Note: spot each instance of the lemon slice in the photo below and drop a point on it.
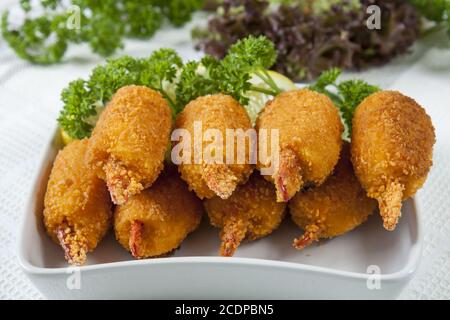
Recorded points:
(258, 100)
(65, 137)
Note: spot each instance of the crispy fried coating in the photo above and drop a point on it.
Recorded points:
(392, 150)
(334, 208)
(251, 212)
(77, 206)
(156, 221)
(130, 139)
(310, 141)
(208, 178)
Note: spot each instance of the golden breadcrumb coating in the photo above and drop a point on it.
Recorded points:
(310, 131)
(219, 112)
(77, 206)
(156, 221)
(392, 150)
(130, 139)
(251, 212)
(334, 208)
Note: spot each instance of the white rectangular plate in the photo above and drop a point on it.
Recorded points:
(368, 262)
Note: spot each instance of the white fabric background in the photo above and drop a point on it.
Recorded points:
(29, 105)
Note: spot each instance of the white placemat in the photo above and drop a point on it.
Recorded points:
(29, 105)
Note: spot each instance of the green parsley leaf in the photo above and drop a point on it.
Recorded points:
(165, 72)
(346, 95)
(103, 25)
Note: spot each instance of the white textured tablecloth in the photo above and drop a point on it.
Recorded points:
(29, 105)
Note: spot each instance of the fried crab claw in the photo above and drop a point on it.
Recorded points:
(74, 246)
(121, 183)
(311, 234)
(136, 235)
(390, 204)
(288, 177)
(220, 179)
(233, 233)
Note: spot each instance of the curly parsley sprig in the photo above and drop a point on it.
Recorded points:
(180, 82)
(231, 75)
(103, 25)
(165, 72)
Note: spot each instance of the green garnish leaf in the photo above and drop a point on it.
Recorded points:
(78, 107)
(346, 95)
(165, 72)
(326, 79)
(197, 79)
(352, 93)
(103, 25)
(251, 53)
(433, 10)
(161, 66)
